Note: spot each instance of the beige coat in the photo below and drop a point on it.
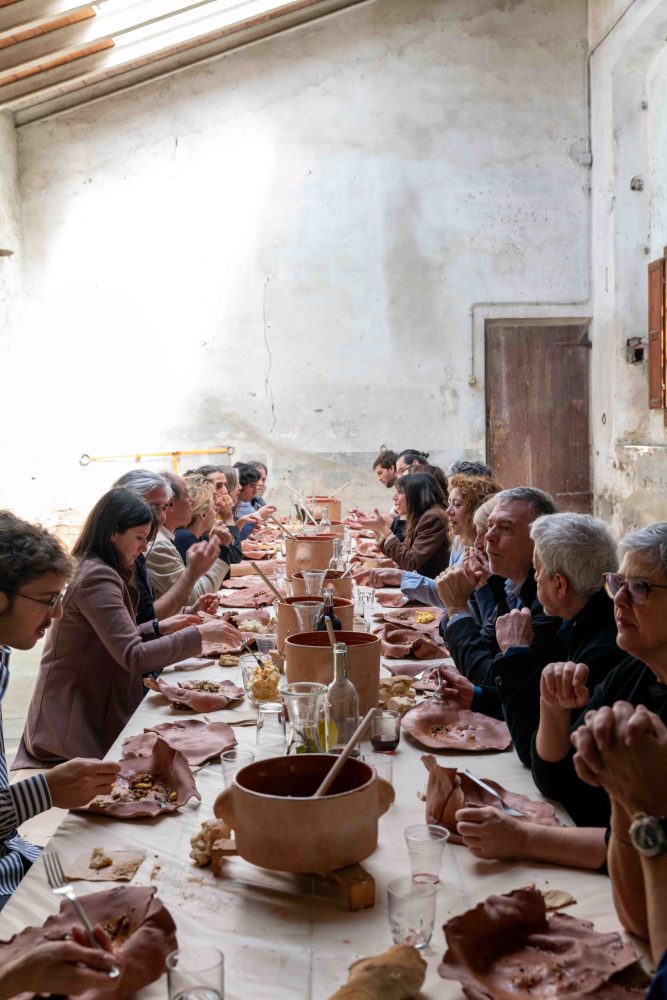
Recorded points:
(90, 675)
(166, 567)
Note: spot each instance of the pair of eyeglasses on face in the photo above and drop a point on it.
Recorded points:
(48, 602)
(638, 590)
(160, 508)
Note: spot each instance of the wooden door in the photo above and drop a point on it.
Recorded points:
(537, 410)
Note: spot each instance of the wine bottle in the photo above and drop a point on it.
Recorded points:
(328, 612)
(343, 703)
(337, 562)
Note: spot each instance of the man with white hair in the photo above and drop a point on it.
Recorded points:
(571, 555)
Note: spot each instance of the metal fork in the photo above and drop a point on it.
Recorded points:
(60, 887)
(487, 788)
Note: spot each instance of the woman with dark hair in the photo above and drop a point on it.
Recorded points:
(91, 675)
(420, 499)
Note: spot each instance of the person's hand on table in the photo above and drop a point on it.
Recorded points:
(200, 557)
(623, 748)
(68, 967)
(563, 685)
(266, 511)
(490, 833)
(218, 630)
(221, 534)
(177, 622)
(454, 587)
(208, 603)
(76, 782)
(455, 687)
(514, 629)
(476, 566)
(384, 578)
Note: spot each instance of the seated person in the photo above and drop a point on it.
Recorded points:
(34, 572)
(66, 968)
(639, 590)
(182, 583)
(623, 749)
(202, 516)
(90, 678)
(572, 553)
(411, 460)
(384, 467)
(419, 498)
(258, 500)
(465, 468)
(245, 508)
(509, 548)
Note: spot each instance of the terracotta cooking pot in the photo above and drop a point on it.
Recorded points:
(342, 587)
(308, 552)
(278, 826)
(333, 503)
(287, 622)
(309, 658)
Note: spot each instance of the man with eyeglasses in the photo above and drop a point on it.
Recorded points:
(34, 570)
(639, 591)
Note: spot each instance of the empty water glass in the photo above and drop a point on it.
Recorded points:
(382, 763)
(271, 726)
(196, 973)
(426, 842)
(265, 643)
(411, 912)
(313, 579)
(233, 761)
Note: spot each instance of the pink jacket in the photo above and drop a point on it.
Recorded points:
(90, 675)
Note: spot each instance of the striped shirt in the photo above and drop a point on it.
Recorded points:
(18, 803)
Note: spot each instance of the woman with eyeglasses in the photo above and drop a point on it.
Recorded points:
(90, 678)
(639, 592)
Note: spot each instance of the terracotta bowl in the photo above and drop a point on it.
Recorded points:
(333, 503)
(343, 586)
(308, 552)
(308, 658)
(287, 623)
(279, 827)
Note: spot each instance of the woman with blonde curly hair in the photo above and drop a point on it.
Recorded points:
(466, 494)
(202, 518)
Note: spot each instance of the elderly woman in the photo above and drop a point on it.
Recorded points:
(639, 590)
(90, 678)
(421, 501)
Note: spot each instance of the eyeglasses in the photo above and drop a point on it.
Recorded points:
(638, 590)
(160, 508)
(51, 602)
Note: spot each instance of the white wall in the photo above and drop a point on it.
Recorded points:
(10, 226)
(280, 249)
(629, 78)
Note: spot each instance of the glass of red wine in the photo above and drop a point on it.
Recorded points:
(385, 730)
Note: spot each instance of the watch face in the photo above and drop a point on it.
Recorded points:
(649, 836)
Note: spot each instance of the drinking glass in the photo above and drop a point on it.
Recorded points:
(382, 763)
(306, 704)
(271, 725)
(426, 842)
(307, 613)
(385, 730)
(411, 911)
(313, 579)
(196, 973)
(233, 761)
(265, 643)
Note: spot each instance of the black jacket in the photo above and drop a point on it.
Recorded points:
(588, 637)
(630, 681)
(475, 650)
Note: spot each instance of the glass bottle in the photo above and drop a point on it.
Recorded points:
(338, 562)
(328, 612)
(343, 703)
(326, 526)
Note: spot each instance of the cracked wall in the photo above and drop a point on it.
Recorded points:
(280, 249)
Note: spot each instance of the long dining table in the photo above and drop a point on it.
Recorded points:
(286, 937)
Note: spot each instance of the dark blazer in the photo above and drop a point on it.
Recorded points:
(90, 675)
(426, 546)
(589, 637)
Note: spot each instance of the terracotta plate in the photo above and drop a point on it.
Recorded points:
(407, 618)
(442, 726)
(197, 741)
(187, 696)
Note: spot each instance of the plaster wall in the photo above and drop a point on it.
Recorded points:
(10, 226)
(629, 128)
(281, 249)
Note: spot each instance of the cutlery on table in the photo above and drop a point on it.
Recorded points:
(487, 788)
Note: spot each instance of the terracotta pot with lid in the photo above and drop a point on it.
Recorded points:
(334, 504)
(287, 622)
(342, 586)
(308, 552)
(279, 826)
(308, 657)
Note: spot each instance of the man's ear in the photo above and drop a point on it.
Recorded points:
(562, 584)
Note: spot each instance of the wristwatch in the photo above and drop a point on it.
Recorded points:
(648, 834)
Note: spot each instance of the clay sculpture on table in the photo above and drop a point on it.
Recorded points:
(399, 642)
(197, 741)
(197, 695)
(439, 725)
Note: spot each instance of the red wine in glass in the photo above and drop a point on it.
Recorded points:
(384, 742)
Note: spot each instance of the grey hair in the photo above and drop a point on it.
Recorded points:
(231, 475)
(482, 513)
(541, 502)
(142, 481)
(578, 546)
(649, 543)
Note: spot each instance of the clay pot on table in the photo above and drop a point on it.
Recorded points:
(333, 503)
(309, 657)
(287, 622)
(308, 552)
(342, 586)
(279, 827)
